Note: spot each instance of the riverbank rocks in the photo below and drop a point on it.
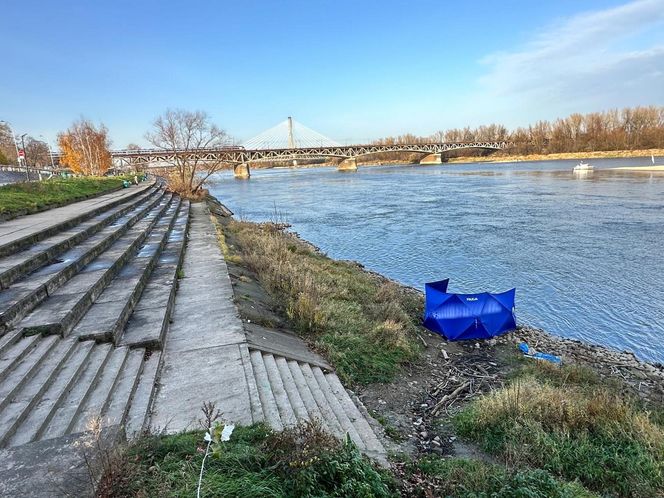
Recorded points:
(645, 379)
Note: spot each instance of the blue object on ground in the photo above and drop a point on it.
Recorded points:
(539, 356)
(467, 316)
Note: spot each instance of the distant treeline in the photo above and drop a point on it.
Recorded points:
(626, 129)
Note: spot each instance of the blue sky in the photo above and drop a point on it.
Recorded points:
(352, 70)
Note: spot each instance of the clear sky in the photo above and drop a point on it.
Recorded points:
(352, 70)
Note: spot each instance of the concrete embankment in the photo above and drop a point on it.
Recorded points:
(117, 314)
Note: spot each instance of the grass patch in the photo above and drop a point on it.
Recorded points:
(30, 197)
(463, 478)
(364, 325)
(572, 424)
(256, 462)
(390, 431)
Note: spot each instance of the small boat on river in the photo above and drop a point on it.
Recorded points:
(583, 167)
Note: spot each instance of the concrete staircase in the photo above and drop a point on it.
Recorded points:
(289, 391)
(67, 301)
(86, 332)
(252, 374)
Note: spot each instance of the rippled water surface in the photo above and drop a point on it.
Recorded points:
(584, 252)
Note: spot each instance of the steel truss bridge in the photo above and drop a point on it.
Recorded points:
(289, 140)
(241, 155)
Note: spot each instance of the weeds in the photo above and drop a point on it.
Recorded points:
(303, 461)
(365, 325)
(460, 478)
(570, 429)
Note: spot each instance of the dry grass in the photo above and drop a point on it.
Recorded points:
(576, 430)
(568, 410)
(182, 187)
(364, 324)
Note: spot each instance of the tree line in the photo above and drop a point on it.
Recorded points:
(36, 150)
(625, 129)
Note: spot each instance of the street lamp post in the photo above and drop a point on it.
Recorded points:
(25, 158)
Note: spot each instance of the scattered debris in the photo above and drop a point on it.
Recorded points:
(536, 355)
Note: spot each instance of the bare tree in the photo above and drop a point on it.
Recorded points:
(182, 132)
(37, 152)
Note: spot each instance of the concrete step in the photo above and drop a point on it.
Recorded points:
(23, 232)
(330, 420)
(60, 312)
(28, 292)
(334, 403)
(138, 415)
(23, 370)
(252, 388)
(107, 317)
(294, 397)
(75, 383)
(14, 354)
(114, 411)
(265, 393)
(22, 403)
(40, 415)
(358, 419)
(307, 396)
(292, 391)
(67, 409)
(20, 264)
(286, 411)
(96, 399)
(8, 340)
(150, 319)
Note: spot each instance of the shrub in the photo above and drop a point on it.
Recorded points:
(313, 463)
(181, 186)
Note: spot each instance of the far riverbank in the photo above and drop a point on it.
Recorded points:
(499, 157)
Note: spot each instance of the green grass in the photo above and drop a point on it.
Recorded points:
(364, 325)
(573, 424)
(254, 463)
(29, 197)
(389, 429)
(474, 479)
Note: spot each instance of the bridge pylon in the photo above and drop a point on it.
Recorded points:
(349, 164)
(242, 171)
(432, 159)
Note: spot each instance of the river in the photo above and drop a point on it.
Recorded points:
(586, 253)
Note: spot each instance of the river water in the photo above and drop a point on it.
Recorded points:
(586, 253)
